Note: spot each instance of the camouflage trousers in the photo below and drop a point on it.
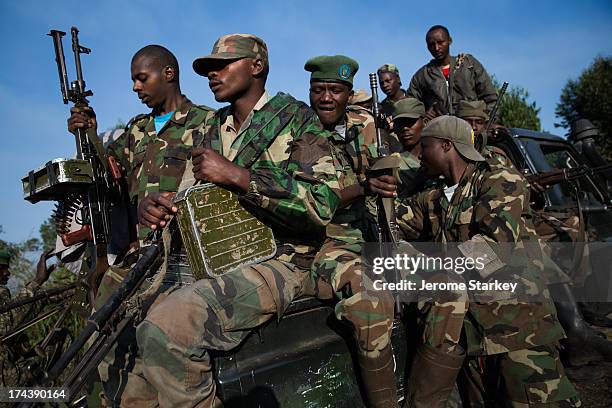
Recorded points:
(523, 378)
(121, 371)
(210, 314)
(370, 311)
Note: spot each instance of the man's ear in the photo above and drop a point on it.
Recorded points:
(450, 40)
(258, 67)
(169, 73)
(446, 145)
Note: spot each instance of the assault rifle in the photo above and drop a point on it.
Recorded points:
(388, 231)
(481, 139)
(556, 176)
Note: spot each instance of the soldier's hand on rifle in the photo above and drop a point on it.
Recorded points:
(210, 166)
(156, 210)
(82, 118)
(385, 185)
(42, 271)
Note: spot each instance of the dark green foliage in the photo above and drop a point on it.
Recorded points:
(516, 110)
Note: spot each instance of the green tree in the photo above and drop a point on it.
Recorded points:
(22, 269)
(515, 109)
(590, 97)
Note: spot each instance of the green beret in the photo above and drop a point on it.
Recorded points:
(456, 130)
(5, 257)
(408, 108)
(336, 68)
(472, 109)
(388, 68)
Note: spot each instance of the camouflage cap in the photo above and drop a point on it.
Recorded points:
(232, 47)
(388, 68)
(472, 109)
(408, 108)
(332, 68)
(458, 131)
(360, 96)
(5, 257)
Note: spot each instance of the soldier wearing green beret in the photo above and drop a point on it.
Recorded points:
(339, 262)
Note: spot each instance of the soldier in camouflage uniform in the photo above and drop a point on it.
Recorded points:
(408, 121)
(511, 343)
(583, 344)
(391, 85)
(152, 152)
(446, 80)
(339, 262)
(14, 349)
(291, 186)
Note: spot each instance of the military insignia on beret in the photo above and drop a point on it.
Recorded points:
(344, 72)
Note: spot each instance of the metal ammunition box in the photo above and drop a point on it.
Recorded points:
(218, 233)
(55, 179)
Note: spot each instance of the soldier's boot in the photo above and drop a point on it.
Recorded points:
(583, 344)
(378, 376)
(432, 376)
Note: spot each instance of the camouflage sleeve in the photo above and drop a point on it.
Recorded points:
(498, 211)
(484, 87)
(411, 217)
(303, 194)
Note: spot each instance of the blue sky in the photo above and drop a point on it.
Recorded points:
(538, 45)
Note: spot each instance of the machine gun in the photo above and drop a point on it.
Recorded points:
(388, 231)
(81, 186)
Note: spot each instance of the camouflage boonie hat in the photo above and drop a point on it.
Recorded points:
(233, 47)
(472, 109)
(388, 68)
(332, 68)
(458, 131)
(5, 258)
(360, 96)
(408, 108)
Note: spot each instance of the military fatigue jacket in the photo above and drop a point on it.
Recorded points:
(411, 179)
(386, 106)
(293, 186)
(490, 204)
(155, 162)
(468, 80)
(354, 151)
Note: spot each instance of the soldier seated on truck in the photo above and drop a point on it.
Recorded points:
(273, 152)
(339, 262)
